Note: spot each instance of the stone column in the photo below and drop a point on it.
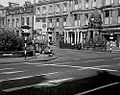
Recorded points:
(71, 37)
(78, 36)
(64, 36)
(75, 36)
(67, 34)
(81, 37)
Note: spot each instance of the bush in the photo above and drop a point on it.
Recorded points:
(9, 41)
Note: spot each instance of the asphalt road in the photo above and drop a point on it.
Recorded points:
(70, 64)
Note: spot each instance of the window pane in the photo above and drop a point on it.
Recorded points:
(107, 13)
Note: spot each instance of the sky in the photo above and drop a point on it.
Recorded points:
(21, 2)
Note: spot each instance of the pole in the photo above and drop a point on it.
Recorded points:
(25, 46)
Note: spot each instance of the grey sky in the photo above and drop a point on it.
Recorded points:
(21, 2)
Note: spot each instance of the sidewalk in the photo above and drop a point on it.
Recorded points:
(37, 58)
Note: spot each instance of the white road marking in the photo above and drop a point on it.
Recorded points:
(81, 67)
(60, 80)
(96, 60)
(25, 77)
(14, 72)
(99, 69)
(59, 65)
(102, 66)
(51, 73)
(98, 88)
(33, 63)
(117, 58)
(53, 82)
(5, 69)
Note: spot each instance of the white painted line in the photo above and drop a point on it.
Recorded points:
(63, 63)
(25, 77)
(33, 63)
(53, 82)
(99, 69)
(98, 88)
(96, 60)
(117, 58)
(102, 66)
(59, 65)
(14, 72)
(17, 78)
(51, 73)
(5, 69)
(60, 80)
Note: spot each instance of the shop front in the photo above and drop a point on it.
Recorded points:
(112, 35)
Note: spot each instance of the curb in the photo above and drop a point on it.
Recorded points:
(31, 60)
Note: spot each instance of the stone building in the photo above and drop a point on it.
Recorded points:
(111, 21)
(66, 20)
(51, 18)
(2, 17)
(16, 16)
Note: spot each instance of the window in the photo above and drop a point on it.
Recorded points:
(106, 13)
(86, 3)
(44, 10)
(107, 2)
(17, 22)
(13, 22)
(76, 2)
(28, 21)
(57, 8)
(8, 22)
(22, 21)
(57, 20)
(65, 6)
(50, 9)
(94, 3)
(86, 19)
(64, 21)
(37, 19)
(111, 15)
(50, 22)
(38, 10)
(75, 16)
(44, 20)
(80, 4)
(118, 15)
(76, 19)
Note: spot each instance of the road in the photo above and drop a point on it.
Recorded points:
(70, 64)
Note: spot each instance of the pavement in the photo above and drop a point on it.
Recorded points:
(40, 57)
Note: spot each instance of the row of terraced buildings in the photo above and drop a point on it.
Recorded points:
(65, 21)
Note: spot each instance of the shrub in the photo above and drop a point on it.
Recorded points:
(9, 41)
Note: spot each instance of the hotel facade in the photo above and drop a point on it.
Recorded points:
(67, 20)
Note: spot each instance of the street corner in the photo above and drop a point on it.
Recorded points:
(42, 58)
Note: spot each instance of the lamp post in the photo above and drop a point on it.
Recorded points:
(25, 32)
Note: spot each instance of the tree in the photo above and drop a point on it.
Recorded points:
(9, 41)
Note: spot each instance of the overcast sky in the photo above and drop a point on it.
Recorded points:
(21, 2)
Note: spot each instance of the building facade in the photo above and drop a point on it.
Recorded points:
(16, 16)
(2, 17)
(66, 20)
(111, 21)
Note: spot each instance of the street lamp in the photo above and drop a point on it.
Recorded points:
(25, 32)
